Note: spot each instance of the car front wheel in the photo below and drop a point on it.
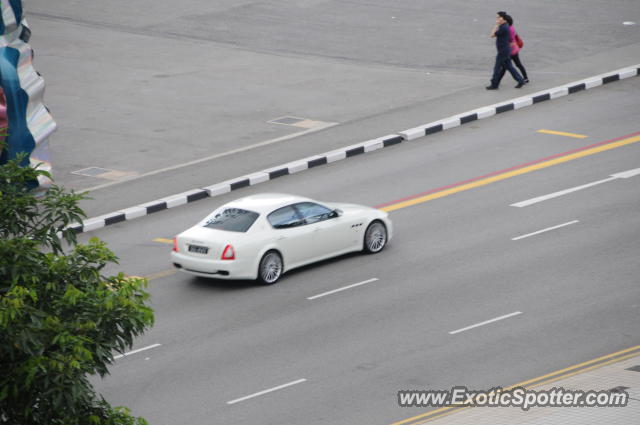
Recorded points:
(270, 268)
(375, 237)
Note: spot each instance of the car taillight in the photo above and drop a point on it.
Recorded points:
(175, 245)
(229, 253)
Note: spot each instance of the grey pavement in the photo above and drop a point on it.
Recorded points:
(452, 263)
(139, 87)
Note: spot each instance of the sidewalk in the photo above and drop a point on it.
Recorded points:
(622, 375)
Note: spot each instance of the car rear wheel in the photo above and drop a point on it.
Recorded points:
(270, 268)
(375, 237)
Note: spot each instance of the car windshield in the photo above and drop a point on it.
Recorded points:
(232, 219)
(312, 212)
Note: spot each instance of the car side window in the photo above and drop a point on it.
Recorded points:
(285, 217)
(313, 213)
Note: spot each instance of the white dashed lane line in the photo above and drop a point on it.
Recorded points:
(279, 387)
(486, 322)
(342, 289)
(548, 229)
(622, 175)
(136, 351)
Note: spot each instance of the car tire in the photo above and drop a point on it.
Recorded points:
(375, 237)
(270, 268)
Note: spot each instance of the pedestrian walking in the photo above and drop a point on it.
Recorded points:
(515, 50)
(503, 58)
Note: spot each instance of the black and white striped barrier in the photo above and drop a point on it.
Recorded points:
(350, 151)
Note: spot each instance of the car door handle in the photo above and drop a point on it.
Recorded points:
(280, 238)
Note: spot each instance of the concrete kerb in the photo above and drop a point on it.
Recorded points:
(297, 166)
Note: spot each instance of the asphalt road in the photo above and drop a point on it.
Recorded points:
(567, 295)
(142, 86)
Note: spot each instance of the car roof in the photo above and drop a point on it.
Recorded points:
(266, 202)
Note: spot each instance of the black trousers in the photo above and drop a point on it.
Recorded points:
(504, 62)
(516, 60)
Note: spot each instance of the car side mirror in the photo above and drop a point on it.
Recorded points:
(336, 213)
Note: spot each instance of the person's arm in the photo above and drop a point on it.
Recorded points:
(500, 30)
(494, 31)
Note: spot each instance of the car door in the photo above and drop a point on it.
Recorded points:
(291, 235)
(331, 233)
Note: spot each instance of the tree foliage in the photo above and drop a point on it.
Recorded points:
(61, 319)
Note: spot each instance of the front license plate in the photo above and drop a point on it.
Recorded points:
(198, 249)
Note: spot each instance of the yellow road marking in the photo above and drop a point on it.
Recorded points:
(562, 133)
(509, 174)
(588, 362)
(441, 415)
(553, 376)
(455, 409)
(163, 240)
(157, 275)
(568, 375)
(161, 274)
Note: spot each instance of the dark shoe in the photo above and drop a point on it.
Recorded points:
(521, 84)
(491, 88)
(526, 81)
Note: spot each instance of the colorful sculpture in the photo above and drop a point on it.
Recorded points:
(26, 121)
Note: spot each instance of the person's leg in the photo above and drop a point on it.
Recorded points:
(497, 67)
(514, 73)
(502, 72)
(518, 63)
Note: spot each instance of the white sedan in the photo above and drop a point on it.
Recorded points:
(263, 236)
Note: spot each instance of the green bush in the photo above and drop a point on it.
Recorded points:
(61, 319)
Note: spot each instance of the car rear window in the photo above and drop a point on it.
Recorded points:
(232, 219)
